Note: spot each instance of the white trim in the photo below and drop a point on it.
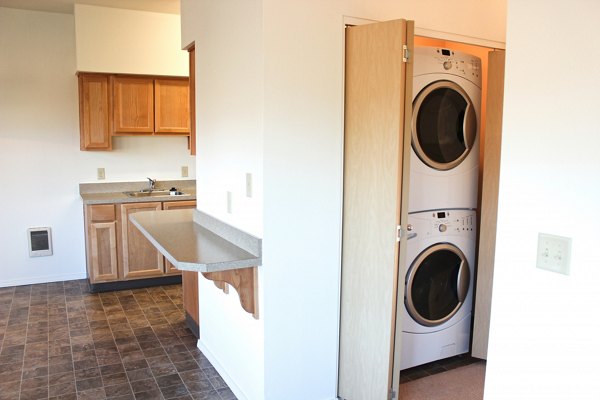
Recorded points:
(42, 279)
(454, 37)
(221, 370)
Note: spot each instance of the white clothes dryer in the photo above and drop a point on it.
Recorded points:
(444, 165)
(438, 286)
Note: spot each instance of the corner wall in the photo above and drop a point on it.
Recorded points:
(544, 327)
(40, 161)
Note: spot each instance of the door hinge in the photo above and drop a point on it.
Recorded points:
(391, 394)
(405, 54)
(401, 233)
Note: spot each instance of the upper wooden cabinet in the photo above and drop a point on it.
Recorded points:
(172, 105)
(133, 104)
(114, 105)
(94, 111)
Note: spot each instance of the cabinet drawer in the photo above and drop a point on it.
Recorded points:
(102, 213)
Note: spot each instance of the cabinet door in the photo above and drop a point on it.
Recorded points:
(140, 257)
(376, 141)
(172, 105)
(176, 205)
(94, 112)
(101, 242)
(133, 108)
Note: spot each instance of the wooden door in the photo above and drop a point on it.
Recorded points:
(133, 99)
(176, 205)
(172, 105)
(489, 204)
(140, 257)
(101, 232)
(94, 112)
(377, 135)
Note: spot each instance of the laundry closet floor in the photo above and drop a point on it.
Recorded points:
(59, 341)
(455, 378)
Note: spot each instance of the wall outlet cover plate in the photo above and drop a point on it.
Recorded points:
(554, 253)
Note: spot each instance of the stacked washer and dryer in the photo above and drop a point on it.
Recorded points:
(444, 169)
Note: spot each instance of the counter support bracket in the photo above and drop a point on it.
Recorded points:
(244, 281)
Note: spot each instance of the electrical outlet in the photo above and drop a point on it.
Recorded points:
(554, 253)
(229, 201)
(248, 184)
(101, 174)
(184, 171)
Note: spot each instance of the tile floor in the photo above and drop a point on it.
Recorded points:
(59, 341)
(435, 367)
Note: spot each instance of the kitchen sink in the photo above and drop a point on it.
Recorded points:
(154, 193)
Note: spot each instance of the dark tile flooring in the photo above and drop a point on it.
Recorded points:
(59, 341)
(435, 367)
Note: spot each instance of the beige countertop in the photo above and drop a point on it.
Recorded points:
(113, 192)
(195, 241)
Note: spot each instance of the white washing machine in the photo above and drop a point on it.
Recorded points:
(438, 292)
(444, 165)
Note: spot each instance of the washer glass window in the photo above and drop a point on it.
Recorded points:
(444, 125)
(436, 284)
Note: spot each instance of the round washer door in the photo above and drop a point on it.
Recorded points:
(437, 284)
(444, 125)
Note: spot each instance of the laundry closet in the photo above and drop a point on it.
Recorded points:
(413, 201)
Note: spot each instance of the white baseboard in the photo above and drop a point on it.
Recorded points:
(228, 380)
(32, 280)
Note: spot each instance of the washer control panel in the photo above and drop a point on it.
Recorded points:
(443, 223)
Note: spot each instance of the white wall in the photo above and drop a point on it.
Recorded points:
(40, 162)
(544, 327)
(128, 41)
(229, 102)
(299, 94)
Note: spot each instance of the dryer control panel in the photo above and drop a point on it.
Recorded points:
(443, 222)
(435, 60)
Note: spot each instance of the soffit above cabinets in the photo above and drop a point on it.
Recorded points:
(67, 6)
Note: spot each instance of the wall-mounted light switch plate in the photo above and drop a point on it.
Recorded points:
(101, 174)
(554, 253)
(229, 201)
(248, 184)
(184, 171)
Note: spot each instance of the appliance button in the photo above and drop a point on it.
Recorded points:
(442, 227)
(447, 65)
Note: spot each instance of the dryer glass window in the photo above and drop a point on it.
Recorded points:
(444, 125)
(435, 285)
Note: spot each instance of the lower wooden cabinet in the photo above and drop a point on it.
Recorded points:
(101, 242)
(116, 250)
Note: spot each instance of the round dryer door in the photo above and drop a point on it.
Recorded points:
(437, 284)
(444, 125)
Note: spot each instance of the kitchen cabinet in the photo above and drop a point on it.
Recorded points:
(172, 106)
(117, 252)
(133, 99)
(192, 142)
(114, 105)
(101, 232)
(140, 259)
(94, 111)
(151, 105)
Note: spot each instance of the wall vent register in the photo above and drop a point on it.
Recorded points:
(40, 242)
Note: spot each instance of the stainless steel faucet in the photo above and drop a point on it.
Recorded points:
(151, 183)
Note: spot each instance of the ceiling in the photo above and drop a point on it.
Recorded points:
(66, 6)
